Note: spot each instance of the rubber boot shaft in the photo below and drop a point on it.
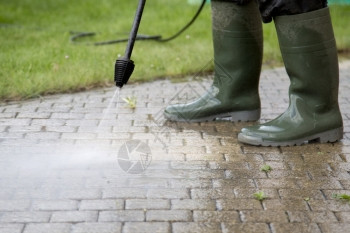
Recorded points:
(237, 41)
(310, 56)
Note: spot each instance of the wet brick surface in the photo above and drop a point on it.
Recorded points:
(63, 169)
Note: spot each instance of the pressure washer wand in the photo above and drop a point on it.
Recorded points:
(124, 66)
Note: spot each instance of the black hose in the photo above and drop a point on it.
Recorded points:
(77, 35)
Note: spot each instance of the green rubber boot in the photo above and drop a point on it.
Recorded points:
(237, 37)
(310, 56)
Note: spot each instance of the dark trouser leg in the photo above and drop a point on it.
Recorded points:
(273, 8)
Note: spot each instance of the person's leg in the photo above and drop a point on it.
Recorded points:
(238, 42)
(310, 56)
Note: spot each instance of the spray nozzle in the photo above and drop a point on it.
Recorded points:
(122, 71)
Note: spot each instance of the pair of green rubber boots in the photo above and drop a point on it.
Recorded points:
(310, 56)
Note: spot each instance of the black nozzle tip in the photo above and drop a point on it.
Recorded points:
(122, 71)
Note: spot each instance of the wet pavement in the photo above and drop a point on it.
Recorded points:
(63, 169)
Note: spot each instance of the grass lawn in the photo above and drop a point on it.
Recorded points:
(37, 57)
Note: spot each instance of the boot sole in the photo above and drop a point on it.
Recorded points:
(333, 135)
(233, 116)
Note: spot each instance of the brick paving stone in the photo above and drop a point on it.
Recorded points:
(74, 216)
(146, 227)
(125, 193)
(47, 227)
(147, 204)
(205, 157)
(81, 194)
(295, 227)
(67, 116)
(190, 183)
(61, 129)
(212, 193)
(47, 205)
(216, 216)
(327, 183)
(46, 194)
(7, 114)
(193, 204)
(14, 205)
(11, 135)
(277, 204)
(200, 227)
(335, 227)
(113, 204)
(266, 216)
(239, 204)
(248, 193)
(97, 228)
(300, 194)
(245, 227)
(15, 122)
(189, 165)
(122, 216)
(329, 205)
(24, 217)
(244, 173)
(168, 193)
(149, 183)
(11, 228)
(312, 216)
(276, 183)
(343, 216)
(328, 194)
(47, 122)
(169, 215)
(34, 115)
(228, 165)
(225, 183)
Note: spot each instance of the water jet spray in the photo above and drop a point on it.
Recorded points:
(124, 66)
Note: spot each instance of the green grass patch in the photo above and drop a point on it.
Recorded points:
(37, 58)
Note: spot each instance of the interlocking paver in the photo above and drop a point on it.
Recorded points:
(145, 227)
(113, 204)
(24, 217)
(47, 227)
(14, 205)
(74, 216)
(54, 205)
(147, 204)
(97, 228)
(11, 228)
(216, 216)
(125, 193)
(335, 227)
(122, 216)
(190, 204)
(199, 227)
(168, 193)
(316, 217)
(61, 169)
(239, 204)
(169, 215)
(296, 227)
(266, 216)
(245, 227)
